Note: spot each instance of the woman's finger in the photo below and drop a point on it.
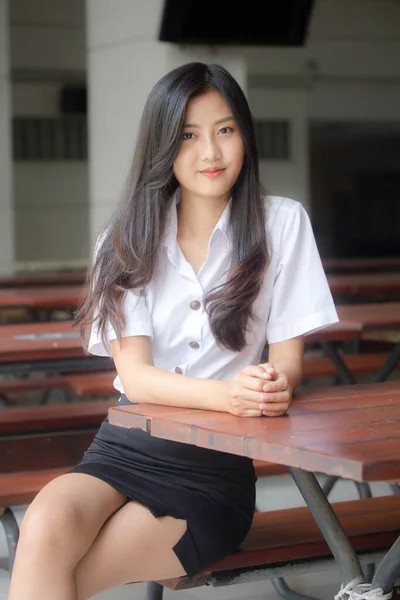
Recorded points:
(274, 408)
(255, 384)
(280, 385)
(252, 413)
(255, 371)
(274, 414)
(274, 397)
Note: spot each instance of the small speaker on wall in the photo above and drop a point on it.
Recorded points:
(73, 100)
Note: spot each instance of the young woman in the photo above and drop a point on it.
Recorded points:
(196, 271)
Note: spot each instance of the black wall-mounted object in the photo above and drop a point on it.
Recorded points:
(73, 100)
(221, 22)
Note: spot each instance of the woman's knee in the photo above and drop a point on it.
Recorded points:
(52, 525)
(66, 516)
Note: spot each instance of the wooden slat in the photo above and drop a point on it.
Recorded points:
(37, 452)
(76, 277)
(364, 283)
(13, 347)
(92, 384)
(267, 469)
(371, 315)
(321, 366)
(367, 264)
(22, 487)
(23, 419)
(346, 393)
(26, 385)
(41, 297)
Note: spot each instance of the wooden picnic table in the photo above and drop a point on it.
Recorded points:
(43, 297)
(354, 265)
(51, 346)
(364, 284)
(379, 321)
(350, 432)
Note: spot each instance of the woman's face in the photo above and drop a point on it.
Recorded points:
(212, 152)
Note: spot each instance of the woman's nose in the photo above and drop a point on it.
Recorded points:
(210, 150)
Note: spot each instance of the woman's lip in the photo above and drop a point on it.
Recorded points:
(213, 173)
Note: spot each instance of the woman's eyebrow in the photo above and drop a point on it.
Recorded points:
(223, 120)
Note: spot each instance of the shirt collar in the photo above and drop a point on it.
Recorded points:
(171, 228)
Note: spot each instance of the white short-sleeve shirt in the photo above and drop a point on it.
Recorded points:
(295, 297)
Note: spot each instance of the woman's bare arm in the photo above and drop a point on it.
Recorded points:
(287, 357)
(143, 382)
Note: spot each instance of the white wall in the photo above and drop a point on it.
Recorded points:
(6, 191)
(51, 198)
(285, 177)
(51, 212)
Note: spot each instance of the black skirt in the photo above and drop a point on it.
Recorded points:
(213, 491)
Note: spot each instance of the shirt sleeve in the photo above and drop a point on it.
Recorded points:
(301, 298)
(138, 322)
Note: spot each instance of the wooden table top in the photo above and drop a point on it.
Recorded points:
(36, 278)
(342, 265)
(62, 296)
(364, 283)
(39, 341)
(349, 431)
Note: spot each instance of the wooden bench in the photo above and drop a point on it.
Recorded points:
(49, 436)
(281, 539)
(278, 542)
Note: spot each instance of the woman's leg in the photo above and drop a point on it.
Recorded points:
(57, 530)
(132, 546)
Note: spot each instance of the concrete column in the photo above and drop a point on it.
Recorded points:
(6, 167)
(124, 61)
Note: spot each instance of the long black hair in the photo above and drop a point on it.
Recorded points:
(125, 258)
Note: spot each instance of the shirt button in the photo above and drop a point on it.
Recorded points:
(178, 370)
(194, 345)
(195, 305)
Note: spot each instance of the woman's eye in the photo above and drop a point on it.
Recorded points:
(226, 130)
(187, 136)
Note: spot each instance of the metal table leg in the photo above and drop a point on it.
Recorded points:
(388, 570)
(354, 586)
(345, 376)
(11, 529)
(329, 525)
(386, 369)
(328, 484)
(154, 591)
